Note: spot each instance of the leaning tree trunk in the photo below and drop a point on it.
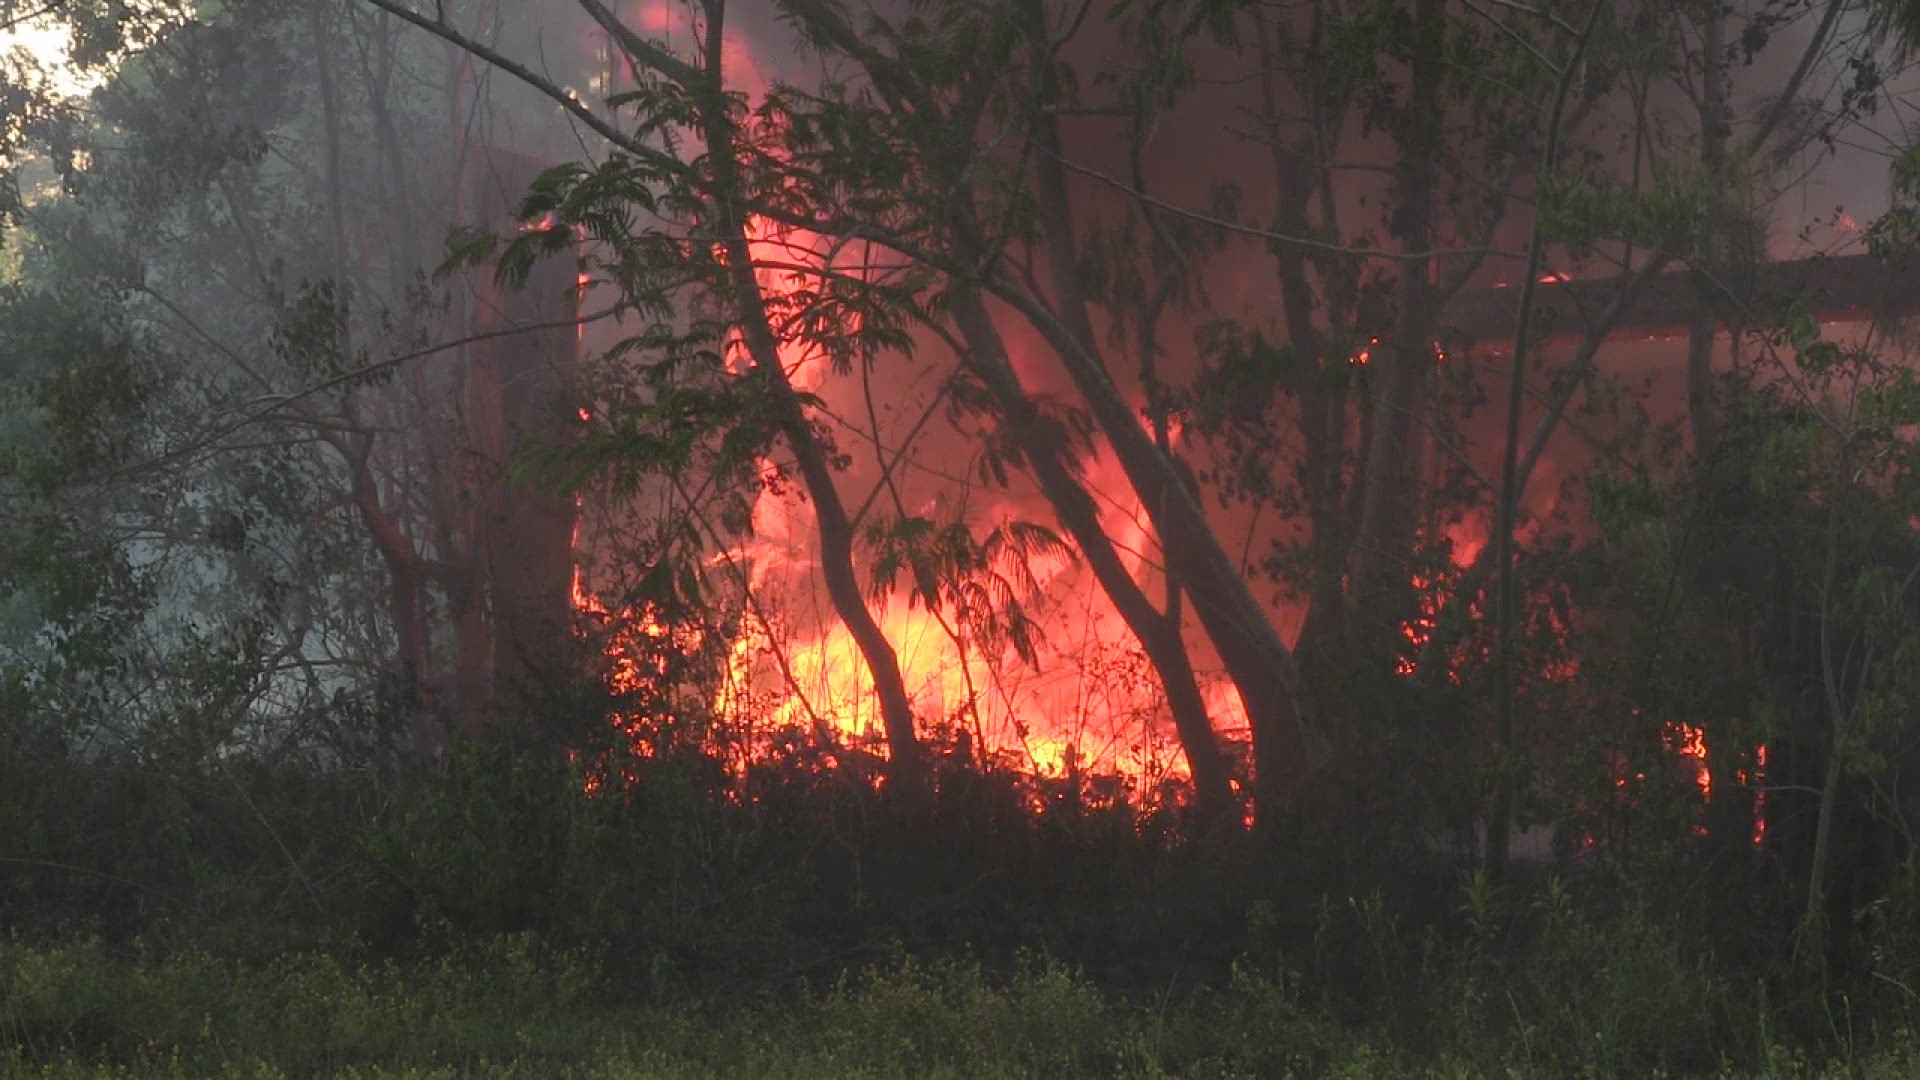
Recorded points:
(1158, 633)
(906, 764)
(1257, 660)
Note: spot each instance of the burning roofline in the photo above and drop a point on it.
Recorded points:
(1836, 288)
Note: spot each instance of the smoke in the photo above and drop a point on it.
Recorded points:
(1207, 164)
(1840, 179)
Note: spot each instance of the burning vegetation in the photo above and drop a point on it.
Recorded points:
(736, 484)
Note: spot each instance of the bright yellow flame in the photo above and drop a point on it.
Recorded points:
(1084, 709)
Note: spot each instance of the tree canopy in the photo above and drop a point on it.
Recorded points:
(446, 448)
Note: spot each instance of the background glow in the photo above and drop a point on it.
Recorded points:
(45, 42)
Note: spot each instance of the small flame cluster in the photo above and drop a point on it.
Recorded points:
(1418, 630)
(1687, 743)
(1551, 277)
(1365, 356)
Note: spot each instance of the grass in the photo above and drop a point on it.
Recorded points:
(500, 925)
(510, 1007)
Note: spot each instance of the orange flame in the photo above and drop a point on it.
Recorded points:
(1689, 741)
(1089, 708)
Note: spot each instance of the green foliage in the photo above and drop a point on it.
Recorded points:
(182, 1011)
(1581, 211)
(502, 922)
(1896, 234)
(220, 889)
(510, 1007)
(984, 584)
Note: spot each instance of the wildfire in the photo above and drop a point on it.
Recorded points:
(1464, 541)
(1365, 355)
(1690, 742)
(1090, 708)
(1551, 277)
(1418, 630)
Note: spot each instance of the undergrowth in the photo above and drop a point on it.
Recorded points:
(499, 922)
(510, 1007)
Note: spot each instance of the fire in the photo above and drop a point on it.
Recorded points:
(1365, 355)
(1686, 742)
(808, 675)
(1418, 630)
(1551, 277)
(1088, 708)
(636, 649)
(1464, 542)
(1690, 742)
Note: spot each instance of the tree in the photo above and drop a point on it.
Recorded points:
(712, 197)
(267, 193)
(945, 142)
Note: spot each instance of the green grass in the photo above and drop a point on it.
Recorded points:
(512, 1008)
(498, 924)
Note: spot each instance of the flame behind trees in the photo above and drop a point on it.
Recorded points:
(1726, 630)
(949, 145)
(584, 199)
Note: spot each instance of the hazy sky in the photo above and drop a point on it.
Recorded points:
(46, 42)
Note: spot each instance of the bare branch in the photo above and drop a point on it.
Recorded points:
(1306, 242)
(567, 100)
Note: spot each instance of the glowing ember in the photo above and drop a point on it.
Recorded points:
(1419, 629)
(1690, 742)
(1464, 540)
(1365, 355)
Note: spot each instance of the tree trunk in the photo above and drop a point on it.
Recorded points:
(1382, 597)
(906, 765)
(520, 402)
(1158, 633)
(1257, 660)
(406, 606)
(1506, 778)
(1713, 156)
